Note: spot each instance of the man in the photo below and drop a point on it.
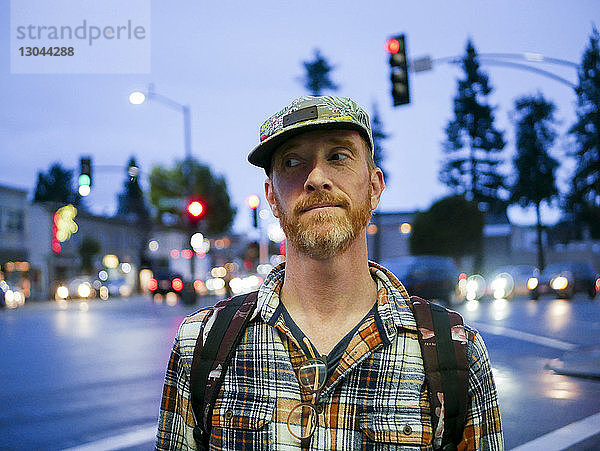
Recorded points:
(330, 358)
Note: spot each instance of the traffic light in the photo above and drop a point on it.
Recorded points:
(85, 176)
(396, 47)
(253, 202)
(195, 210)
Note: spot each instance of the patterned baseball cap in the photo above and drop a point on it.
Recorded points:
(309, 113)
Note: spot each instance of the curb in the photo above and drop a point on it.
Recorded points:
(582, 362)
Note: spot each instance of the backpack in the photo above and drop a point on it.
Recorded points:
(442, 339)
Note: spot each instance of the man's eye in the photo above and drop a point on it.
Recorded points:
(291, 162)
(338, 156)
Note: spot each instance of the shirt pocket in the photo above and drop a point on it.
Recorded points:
(245, 411)
(396, 428)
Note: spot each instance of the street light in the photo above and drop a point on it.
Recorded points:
(137, 98)
(253, 202)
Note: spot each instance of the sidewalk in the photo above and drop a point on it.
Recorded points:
(581, 362)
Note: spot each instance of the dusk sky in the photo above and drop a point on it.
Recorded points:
(235, 63)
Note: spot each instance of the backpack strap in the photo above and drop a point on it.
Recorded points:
(443, 343)
(212, 358)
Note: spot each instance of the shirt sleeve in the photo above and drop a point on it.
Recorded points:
(483, 427)
(176, 420)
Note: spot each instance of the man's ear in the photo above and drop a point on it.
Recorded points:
(270, 196)
(377, 187)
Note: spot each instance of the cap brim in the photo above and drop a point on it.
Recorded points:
(262, 154)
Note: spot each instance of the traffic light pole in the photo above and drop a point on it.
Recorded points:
(187, 139)
(184, 109)
(426, 63)
(400, 66)
(151, 94)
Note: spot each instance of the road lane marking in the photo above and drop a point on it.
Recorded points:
(565, 437)
(137, 436)
(519, 335)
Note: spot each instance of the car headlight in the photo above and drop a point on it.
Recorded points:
(502, 286)
(215, 284)
(62, 292)
(499, 283)
(84, 290)
(532, 283)
(559, 283)
(475, 287)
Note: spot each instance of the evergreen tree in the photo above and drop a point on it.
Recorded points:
(535, 168)
(168, 184)
(56, 185)
(317, 77)
(473, 144)
(452, 226)
(131, 200)
(379, 136)
(583, 200)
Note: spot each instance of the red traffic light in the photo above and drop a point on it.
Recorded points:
(392, 46)
(253, 201)
(195, 209)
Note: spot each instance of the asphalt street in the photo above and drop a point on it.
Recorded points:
(88, 376)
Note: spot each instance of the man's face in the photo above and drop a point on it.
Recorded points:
(322, 191)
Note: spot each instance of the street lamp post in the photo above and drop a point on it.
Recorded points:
(139, 97)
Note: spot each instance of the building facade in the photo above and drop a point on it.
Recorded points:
(14, 265)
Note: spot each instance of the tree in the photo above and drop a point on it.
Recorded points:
(452, 226)
(88, 248)
(56, 185)
(535, 168)
(132, 204)
(168, 188)
(473, 144)
(583, 200)
(379, 136)
(317, 77)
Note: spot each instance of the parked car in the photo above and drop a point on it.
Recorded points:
(427, 276)
(564, 279)
(511, 280)
(10, 297)
(81, 287)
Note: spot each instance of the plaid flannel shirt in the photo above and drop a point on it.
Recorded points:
(376, 399)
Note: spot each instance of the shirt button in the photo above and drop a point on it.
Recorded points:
(229, 415)
(407, 430)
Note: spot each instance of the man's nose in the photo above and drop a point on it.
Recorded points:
(317, 179)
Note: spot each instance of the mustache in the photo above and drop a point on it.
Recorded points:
(320, 198)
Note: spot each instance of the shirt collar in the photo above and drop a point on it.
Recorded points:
(392, 299)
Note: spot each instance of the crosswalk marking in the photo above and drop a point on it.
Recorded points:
(525, 336)
(133, 437)
(566, 436)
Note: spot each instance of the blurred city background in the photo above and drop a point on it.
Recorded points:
(126, 200)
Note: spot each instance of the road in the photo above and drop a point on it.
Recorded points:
(89, 376)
